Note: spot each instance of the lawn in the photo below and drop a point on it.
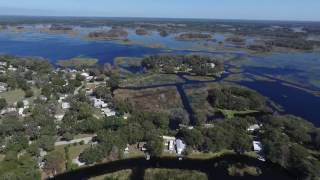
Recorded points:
(75, 151)
(13, 96)
(134, 152)
(201, 155)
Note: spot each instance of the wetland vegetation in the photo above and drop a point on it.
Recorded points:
(93, 104)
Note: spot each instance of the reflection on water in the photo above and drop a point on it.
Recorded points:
(293, 100)
(299, 67)
(215, 168)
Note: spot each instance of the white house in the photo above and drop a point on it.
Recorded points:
(180, 146)
(21, 112)
(65, 105)
(171, 145)
(43, 98)
(212, 65)
(253, 127)
(3, 87)
(85, 74)
(11, 68)
(62, 98)
(59, 117)
(97, 103)
(257, 146)
(26, 104)
(108, 112)
(2, 63)
(169, 141)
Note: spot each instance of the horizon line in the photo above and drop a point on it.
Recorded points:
(163, 18)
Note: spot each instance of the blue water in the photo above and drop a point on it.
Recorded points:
(292, 100)
(57, 46)
(301, 66)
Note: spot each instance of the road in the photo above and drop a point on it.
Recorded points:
(86, 140)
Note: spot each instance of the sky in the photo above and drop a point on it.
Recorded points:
(211, 9)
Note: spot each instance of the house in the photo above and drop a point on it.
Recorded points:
(171, 145)
(62, 98)
(3, 87)
(11, 68)
(21, 112)
(142, 146)
(253, 127)
(87, 76)
(3, 64)
(26, 104)
(180, 146)
(126, 150)
(84, 74)
(97, 103)
(43, 98)
(257, 146)
(125, 116)
(11, 109)
(59, 117)
(108, 112)
(169, 141)
(211, 65)
(65, 105)
(31, 82)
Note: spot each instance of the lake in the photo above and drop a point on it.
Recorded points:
(303, 68)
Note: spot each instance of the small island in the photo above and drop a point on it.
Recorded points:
(192, 65)
(193, 37)
(78, 62)
(141, 32)
(116, 33)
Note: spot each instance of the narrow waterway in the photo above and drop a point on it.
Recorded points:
(216, 168)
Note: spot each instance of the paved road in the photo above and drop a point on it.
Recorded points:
(86, 140)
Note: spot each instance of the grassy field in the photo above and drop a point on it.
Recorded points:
(201, 155)
(127, 61)
(155, 99)
(160, 174)
(229, 114)
(77, 62)
(75, 151)
(134, 152)
(13, 96)
(151, 79)
(120, 175)
(242, 169)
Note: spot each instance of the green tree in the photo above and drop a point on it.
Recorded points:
(91, 155)
(54, 162)
(47, 142)
(3, 103)
(28, 93)
(193, 138)
(113, 82)
(241, 141)
(155, 146)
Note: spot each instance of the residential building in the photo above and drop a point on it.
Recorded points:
(180, 146)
